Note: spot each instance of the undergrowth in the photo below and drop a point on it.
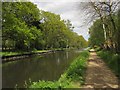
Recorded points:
(112, 60)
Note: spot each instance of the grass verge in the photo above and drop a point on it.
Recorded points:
(73, 77)
(12, 53)
(21, 52)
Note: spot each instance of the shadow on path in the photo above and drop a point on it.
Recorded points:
(98, 75)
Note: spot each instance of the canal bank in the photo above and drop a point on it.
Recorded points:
(19, 56)
(73, 77)
(12, 56)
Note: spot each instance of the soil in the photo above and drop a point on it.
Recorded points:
(98, 75)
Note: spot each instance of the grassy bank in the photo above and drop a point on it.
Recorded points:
(12, 53)
(20, 52)
(73, 77)
(112, 60)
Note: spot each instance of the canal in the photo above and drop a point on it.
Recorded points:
(36, 67)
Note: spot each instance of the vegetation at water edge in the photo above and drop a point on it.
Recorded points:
(73, 77)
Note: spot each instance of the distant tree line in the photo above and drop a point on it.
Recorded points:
(25, 27)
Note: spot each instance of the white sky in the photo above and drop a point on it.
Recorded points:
(67, 10)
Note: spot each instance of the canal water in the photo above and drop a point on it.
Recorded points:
(36, 67)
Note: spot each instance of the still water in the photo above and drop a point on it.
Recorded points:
(47, 67)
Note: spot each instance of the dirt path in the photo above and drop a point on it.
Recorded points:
(98, 75)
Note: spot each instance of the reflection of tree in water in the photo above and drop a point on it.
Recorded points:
(48, 67)
(67, 55)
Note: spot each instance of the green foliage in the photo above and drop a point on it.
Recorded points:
(107, 37)
(117, 32)
(52, 84)
(74, 73)
(17, 19)
(8, 53)
(112, 60)
(96, 34)
(52, 29)
(77, 69)
(25, 27)
(44, 84)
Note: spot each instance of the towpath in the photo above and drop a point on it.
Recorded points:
(98, 75)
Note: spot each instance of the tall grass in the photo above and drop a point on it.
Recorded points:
(74, 74)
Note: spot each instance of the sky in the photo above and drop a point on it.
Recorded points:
(67, 10)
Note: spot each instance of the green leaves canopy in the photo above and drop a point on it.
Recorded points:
(25, 27)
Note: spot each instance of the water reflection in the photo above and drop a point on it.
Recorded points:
(67, 55)
(48, 67)
(58, 61)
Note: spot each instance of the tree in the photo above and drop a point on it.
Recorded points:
(117, 20)
(18, 17)
(25, 27)
(96, 34)
(104, 11)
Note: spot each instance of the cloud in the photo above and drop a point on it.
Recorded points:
(67, 10)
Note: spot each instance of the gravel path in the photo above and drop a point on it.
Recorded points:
(98, 75)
